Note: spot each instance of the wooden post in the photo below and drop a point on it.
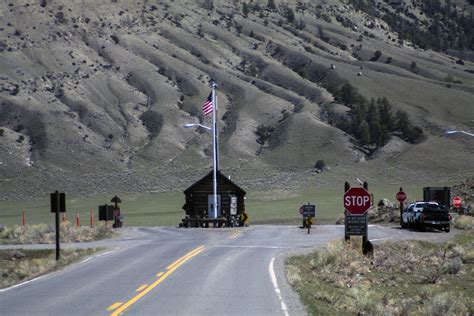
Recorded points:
(347, 186)
(23, 219)
(401, 209)
(58, 209)
(367, 247)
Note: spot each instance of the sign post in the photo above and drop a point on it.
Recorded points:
(357, 201)
(401, 197)
(457, 202)
(58, 205)
(309, 212)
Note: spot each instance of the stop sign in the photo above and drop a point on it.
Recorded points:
(457, 201)
(357, 201)
(401, 196)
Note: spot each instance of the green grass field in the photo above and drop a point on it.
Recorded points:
(165, 209)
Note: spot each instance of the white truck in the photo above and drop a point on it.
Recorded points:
(426, 214)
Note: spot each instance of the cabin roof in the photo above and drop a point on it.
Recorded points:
(220, 177)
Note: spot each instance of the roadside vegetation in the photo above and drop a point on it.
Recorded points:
(22, 265)
(402, 278)
(464, 222)
(372, 123)
(46, 234)
(437, 25)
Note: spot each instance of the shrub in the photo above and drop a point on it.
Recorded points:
(115, 39)
(2, 132)
(464, 222)
(153, 122)
(264, 132)
(320, 165)
(376, 56)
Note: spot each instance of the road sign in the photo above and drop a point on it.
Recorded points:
(309, 210)
(401, 196)
(356, 225)
(244, 218)
(309, 221)
(357, 200)
(54, 202)
(457, 202)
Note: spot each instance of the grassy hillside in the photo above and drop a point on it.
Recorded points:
(94, 95)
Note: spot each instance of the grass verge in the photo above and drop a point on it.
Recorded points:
(406, 277)
(46, 234)
(464, 222)
(21, 265)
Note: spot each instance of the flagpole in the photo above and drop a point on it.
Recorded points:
(214, 141)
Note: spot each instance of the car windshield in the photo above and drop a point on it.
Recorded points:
(433, 208)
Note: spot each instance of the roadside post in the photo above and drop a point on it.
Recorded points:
(309, 212)
(457, 202)
(116, 214)
(401, 197)
(244, 219)
(357, 201)
(58, 205)
(23, 219)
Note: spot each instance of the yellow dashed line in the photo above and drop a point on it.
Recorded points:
(191, 253)
(141, 288)
(234, 235)
(171, 268)
(114, 306)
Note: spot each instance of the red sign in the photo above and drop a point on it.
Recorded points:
(401, 196)
(357, 201)
(457, 201)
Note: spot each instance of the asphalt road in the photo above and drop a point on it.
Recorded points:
(171, 271)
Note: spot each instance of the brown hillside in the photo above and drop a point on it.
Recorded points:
(93, 95)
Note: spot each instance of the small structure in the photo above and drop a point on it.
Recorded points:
(199, 207)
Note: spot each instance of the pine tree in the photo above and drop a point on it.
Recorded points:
(271, 5)
(364, 134)
(245, 9)
(373, 120)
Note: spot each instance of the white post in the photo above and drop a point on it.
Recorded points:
(214, 146)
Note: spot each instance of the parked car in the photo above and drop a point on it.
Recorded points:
(426, 214)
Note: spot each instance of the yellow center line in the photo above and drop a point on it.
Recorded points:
(114, 306)
(172, 268)
(159, 274)
(141, 288)
(184, 257)
(234, 235)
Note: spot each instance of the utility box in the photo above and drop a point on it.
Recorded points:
(441, 195)
(106, 212)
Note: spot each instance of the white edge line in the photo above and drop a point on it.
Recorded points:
(275, 285)
(377, 239)
(49, 274)
(264, 247)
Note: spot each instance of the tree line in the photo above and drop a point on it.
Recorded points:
(372, 122)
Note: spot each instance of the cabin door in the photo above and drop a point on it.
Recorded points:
(210, 206)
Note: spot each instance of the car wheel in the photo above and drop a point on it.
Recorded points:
(447, 229)
(422, 227)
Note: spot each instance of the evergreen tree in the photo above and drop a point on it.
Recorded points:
(271, 5)
(402, 123)
(364, 134)
(245, 9)
(290, 15)
(385, 114)
(373, 120)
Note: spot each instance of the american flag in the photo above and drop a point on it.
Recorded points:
(208, 105)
